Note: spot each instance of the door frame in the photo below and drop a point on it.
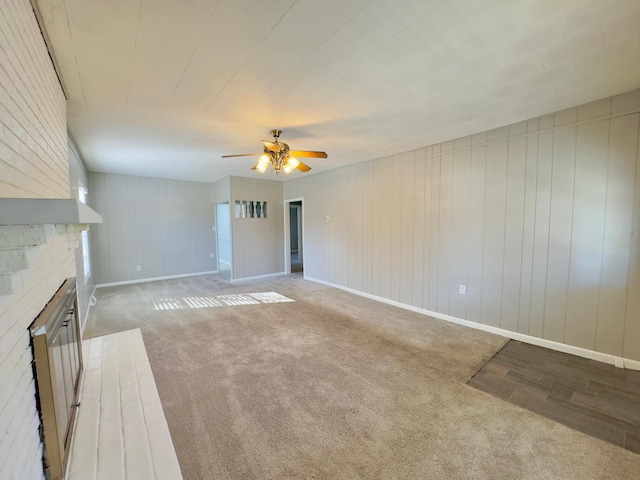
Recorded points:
(287, 235)
(217, 224)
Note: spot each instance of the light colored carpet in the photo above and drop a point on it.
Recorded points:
(335, 386)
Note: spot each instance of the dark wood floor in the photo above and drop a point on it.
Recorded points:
(592, 397)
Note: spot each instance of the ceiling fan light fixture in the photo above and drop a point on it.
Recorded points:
(264, 160)
(278, 155)
(290, 164)
(293, 161)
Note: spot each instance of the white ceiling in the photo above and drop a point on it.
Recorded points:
(163, 88)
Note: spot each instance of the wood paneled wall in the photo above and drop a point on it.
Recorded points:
(163, 226)
(539, 220)
(257, 244)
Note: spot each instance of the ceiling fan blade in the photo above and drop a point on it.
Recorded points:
(272, 146)
(242, 155)
(307, 154)
(303, 167)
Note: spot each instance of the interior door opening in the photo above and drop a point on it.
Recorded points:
(223, 224)
(294, 251)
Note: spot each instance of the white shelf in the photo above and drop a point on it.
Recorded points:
(44, 211)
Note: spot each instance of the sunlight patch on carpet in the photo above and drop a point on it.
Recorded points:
(182, 303)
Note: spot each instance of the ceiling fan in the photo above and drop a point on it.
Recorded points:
(278, 155)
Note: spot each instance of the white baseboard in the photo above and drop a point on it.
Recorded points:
(153, 279)
(541, 342)
(258, 277)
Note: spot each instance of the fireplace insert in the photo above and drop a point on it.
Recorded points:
(57, 354)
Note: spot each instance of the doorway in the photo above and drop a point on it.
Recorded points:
(223, 219)
(294, 256)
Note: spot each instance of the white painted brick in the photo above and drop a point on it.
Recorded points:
(12, 260)
(129, 393)
(83, 451)
(164, 457)
(149, 394)
(132, 412)
(85, 473)
(20, 448)
(138, 462)
(153, 412)
(127, 374)
(136, 443)
(110, 408)
(34, 105)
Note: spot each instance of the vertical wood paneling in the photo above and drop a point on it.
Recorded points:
(333, 247)
(117, 212)
(528, 232)
(360, 227)
(395, 220)
(477, 192)
(560, 222)
(417, 229)
(494, 224)
(369, 227)
(541, 234)
(163, 226)
(376, 241)
(426, 236)
(257, 243)
(339, 230)
(459, 232)
(99, 239)
(444, 230)
(386, 216)
(623, 149)
(514, 228)
(538, 219)
(632, 314)
(587, 231)
(406, 233)
(343, 193)
(353, 254)
(434, 234)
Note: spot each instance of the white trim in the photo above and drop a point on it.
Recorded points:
(258, 277)
(154, 279)
(541, 342)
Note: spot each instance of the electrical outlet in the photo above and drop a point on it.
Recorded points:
(462, 289)
(211, 255)
(138, 268)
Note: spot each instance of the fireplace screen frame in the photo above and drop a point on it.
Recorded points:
(58, 366)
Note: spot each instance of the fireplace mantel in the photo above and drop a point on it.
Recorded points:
(46, 211)
(27, 223)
